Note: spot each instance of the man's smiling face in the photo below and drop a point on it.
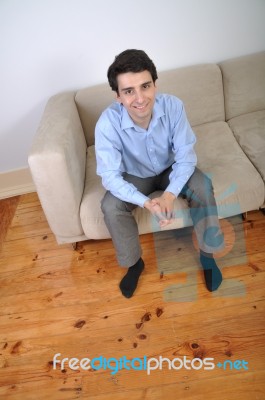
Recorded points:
(136, 91)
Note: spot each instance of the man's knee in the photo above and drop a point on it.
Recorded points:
(205, 185)
(111, 204)
(200, 186)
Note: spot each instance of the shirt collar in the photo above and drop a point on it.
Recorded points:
(127, 122)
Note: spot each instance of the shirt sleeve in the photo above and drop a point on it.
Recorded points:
(185, 159)
(109, 165)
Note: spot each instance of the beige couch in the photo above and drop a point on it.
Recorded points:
(225, 104)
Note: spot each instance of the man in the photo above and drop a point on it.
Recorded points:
(144, 143)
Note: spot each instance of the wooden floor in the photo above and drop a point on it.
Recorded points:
(56, 300)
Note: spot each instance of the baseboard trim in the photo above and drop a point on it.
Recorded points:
(16, 182)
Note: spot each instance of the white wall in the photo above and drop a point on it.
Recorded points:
(48, 46)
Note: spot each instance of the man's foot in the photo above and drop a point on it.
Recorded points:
(129, 282)
(212, 274)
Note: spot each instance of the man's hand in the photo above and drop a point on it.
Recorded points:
(162, 208)
(166, 203)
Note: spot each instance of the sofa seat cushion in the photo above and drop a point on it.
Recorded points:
(90, 212)
(249, 131)
(237, 184)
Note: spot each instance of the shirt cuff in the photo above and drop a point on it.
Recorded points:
(139, 199)
(174, 188)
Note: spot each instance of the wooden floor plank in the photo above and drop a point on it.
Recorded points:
(7, 211)
(56, 300)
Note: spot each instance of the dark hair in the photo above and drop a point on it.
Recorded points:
(130, 61)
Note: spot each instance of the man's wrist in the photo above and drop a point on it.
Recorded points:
(169, 195)
(147, 204)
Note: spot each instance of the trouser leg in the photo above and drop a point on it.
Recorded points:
(199, 193)
(121, 223)
(124, 230)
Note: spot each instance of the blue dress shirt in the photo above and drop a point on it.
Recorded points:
(122, 146)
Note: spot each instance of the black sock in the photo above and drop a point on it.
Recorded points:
(212, 274)
(129, 282)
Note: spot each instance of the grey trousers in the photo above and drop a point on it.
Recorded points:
(198, 192)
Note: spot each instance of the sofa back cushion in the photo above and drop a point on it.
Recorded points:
(90, 103)
(244, 84)
(199, 87)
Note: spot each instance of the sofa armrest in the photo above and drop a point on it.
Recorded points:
(57, 162)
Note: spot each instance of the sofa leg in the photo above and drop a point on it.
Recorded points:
(245, 216)
(74, 246)
(263, 210)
